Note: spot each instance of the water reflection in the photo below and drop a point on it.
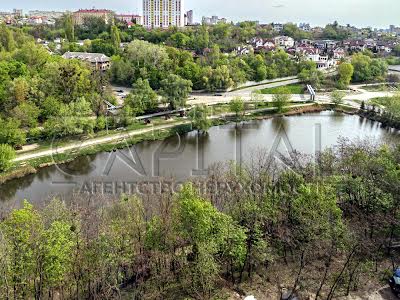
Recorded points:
(187, 156)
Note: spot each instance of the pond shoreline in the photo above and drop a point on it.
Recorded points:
(33, 166)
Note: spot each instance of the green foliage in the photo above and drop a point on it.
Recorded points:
(213, 70)
(175, 90)
(208, 232)
(10, 133)
(311, 75)
(337, 97)
(199, 118)
(7, 154)
(27, 114)
(237, 106)
(92, 27)
(367, 69)
(335, 32)
(69, 28)
(294, 89)
(142, 98)
(346, 71)
(317, 215)
(6, 38)
(281, 99)
(73, 119)
(115, 37)
(218, 79)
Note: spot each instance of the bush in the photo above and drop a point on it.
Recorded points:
(7, 154)
(35, 134)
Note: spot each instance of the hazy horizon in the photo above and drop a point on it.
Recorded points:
(315, 12)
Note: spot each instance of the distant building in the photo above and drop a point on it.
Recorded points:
(35, 20)
(339, 53)
(98, 61)
(163, 13)
(80, 15)
(17, 13)
(11, 17)
(305, 27)
(278, 27)
(214, 20)
(135, 19)
(46, 14)
(284, 41)
(189, 18)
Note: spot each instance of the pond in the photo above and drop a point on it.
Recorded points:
(189, 155)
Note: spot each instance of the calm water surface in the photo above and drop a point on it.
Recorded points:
(184, 157)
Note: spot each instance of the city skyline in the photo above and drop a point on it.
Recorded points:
(355, 12)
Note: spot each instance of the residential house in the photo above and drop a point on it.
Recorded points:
(130, 19)
(338, 53)
(263, 44)
(98, 61)
(284, 42)
(244, 50)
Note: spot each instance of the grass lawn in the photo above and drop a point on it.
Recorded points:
(382, 88)
(291, 89)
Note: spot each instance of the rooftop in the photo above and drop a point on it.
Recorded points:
(90, 57)
(94, 11)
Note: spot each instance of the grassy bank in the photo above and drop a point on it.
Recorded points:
(31, 166)
(294, 89)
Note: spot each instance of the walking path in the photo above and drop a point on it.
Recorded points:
(122, 136)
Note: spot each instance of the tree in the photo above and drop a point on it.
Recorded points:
(179, 40)
(27, 114)
(142, 98)
(10, 133)
(199, 118)
(23, 229)
(208, 232)
(311, 75)
(20, 89)
(396, 50)
(257, 97)
(6, 38)
(367, 69)
(73, 119)
(69, 28)
(7, 154)
(237, 106)
(115, 37)
(281, 99)
(218, 78)
(346, 71)
(175, 90)
(337, 97)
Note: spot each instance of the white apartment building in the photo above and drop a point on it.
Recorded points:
(163, 13)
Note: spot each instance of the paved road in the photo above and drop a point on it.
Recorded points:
(395, 69)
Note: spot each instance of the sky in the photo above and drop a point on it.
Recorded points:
(374, 13)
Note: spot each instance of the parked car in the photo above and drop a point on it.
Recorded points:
(394, 283)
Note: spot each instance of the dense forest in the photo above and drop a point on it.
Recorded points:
(330, 224)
